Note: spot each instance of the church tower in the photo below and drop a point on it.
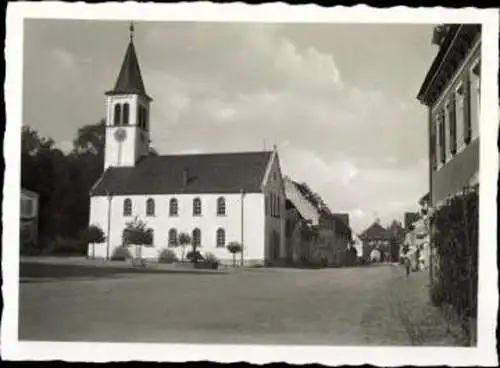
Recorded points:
(127, 117)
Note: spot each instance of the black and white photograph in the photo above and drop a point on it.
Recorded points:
(250, 183)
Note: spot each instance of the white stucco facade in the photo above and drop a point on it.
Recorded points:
(252, 217)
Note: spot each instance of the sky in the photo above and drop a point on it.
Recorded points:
(338, 100)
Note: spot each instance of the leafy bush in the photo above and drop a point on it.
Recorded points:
(121, 253)
(167, 256)
(455, 240)
(210, 258)
(137, 233)
(183, 240)
(92, 234)
(233, 248)
(67, 247)
(194, 256)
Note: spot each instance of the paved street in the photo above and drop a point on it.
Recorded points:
(352, 306)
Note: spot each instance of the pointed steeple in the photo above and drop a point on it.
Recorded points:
(129, 80)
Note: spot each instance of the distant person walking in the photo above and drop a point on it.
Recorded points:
(407, 264)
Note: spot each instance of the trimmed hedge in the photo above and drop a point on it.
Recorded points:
(455, 239)
(167, 256)
(121, 253)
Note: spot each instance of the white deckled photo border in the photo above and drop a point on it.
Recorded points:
(482, 355)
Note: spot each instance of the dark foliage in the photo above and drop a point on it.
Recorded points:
(62, 181)
(351, 256)
(456, 242)
(121, 254)
(167, 256)
(92, 234)
(194, 256)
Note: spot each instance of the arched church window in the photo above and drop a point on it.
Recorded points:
(196, 207)
(127, 207)
(117, 116)
(221, 206)
(125, 113)
(150, 207)
(173, 207)
(221, 238)
(172, 238)
(196, 237)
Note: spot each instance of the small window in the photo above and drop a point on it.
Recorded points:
(139, 116)
(127, 207)
(27, 207)
(152, 232)
(442, 140)
(221, 206)
(221, 238)
(172, 238)
(476, 69)
(452, 126)
(150, 207)
(173, 207)
(117, 117)
(197, 207)
(196, 238)
(272, 205)
(125, 113)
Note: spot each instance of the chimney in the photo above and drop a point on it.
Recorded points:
(185, 177)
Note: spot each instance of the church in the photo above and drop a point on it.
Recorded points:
(215, 197)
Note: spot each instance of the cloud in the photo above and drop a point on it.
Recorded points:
(64, 58)
(342, 113)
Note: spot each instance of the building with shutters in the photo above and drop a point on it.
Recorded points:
(451, 93)
(215, 198)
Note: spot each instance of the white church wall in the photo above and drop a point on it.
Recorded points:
(208, 223)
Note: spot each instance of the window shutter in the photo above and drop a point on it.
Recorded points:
(453, 126)
(442, 139)
(467, 116)
(433, 143)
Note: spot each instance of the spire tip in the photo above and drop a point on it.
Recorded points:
(131, 28)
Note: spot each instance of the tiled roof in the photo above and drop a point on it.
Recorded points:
(375, 232)
(129, 79)
(206, 173)
(341, 219)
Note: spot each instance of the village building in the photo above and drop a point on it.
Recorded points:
(28, 219)
(376, 243)
(314, 233)
(216, 198)
(451, 92)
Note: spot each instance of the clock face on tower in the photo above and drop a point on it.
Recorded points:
(120, 135)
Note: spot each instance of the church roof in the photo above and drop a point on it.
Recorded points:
(205, 173)
(129, 79)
